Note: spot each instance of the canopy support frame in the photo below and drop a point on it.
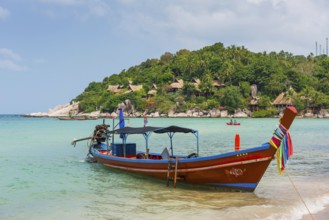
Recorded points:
(171, 135)
(146, 137)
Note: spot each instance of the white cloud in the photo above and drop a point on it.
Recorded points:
(7, 53)
(98, 8)
(4, 13)
(272, 25)
(10, 60)
(11, 66)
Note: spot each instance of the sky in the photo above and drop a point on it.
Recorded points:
(50, 50)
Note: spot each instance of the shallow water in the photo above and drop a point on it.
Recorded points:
(42, 176)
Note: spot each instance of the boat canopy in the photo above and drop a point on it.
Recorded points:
(171, 130)
(175, 129)
(146, 132)
(134, 130)
(159, 130)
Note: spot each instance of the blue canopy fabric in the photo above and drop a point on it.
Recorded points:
(121, 123)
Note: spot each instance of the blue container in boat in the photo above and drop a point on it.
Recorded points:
(117, 149)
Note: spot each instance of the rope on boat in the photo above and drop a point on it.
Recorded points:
(300, 196)
(285, 150)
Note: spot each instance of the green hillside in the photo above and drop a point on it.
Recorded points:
(234, 68)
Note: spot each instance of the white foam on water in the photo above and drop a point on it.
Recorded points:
(298, 209)
(317, 204)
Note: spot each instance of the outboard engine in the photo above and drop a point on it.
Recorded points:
(100, 133)
(97, 141)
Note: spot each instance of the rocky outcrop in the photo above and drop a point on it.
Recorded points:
(60, 110)
(244, 113)
(129, 111)
(155, 115)
(224, 114)
(64, 110)
(37, 114)
(214, 113)
(323, 113)
(309, 115)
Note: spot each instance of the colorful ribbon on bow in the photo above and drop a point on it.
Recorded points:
(285, 150)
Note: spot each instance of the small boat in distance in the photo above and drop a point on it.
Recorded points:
(233, 123)
(239, 170)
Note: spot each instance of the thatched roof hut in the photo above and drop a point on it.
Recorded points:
(177, 84)
(283, 100)
(134, 88)
(152, 91)
(196, 82)
(114, 88)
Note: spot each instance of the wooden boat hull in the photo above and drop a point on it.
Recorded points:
(236, 170)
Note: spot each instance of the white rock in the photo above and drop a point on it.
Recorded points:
(181, 114)
(114, 115)
(224, 113)
(309, 115)
(214, 113)
(240, 115)
(156, 115)
(171, 114)
(195, 114)
(189, 113)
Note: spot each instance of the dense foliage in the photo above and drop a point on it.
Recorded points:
(236, 67)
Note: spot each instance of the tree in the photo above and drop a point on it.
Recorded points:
(227, 71)
(245, 89)
(277, 83)
(189, 90)
(163, 105)
(206, 86)
(166, 57)
(232, 99)
(264, 102)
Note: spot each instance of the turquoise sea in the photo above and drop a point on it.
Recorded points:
(42, 176)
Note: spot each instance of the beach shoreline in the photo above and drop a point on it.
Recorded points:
(73, 109)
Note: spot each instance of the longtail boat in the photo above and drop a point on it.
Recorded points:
(239, 170)
(77, 118)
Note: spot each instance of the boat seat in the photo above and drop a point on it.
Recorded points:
(165, 154)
